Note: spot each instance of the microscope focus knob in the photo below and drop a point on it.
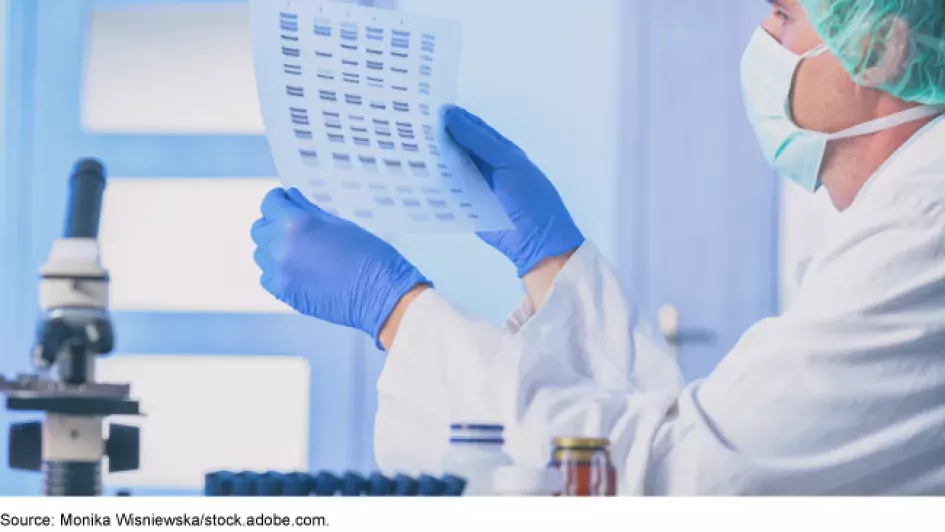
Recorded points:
(123, 448)
(26, 446)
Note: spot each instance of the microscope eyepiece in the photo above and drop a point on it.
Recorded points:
(86, 189)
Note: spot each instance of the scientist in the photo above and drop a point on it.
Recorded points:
(842, 394)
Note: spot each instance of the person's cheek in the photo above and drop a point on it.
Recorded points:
(829, 100)
(804, 91)
(774, 27)
(816, 99)
(792, 40)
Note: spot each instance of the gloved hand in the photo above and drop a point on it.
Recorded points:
(326, 267)
(543, 226)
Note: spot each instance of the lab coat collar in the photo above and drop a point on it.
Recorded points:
(924, 151)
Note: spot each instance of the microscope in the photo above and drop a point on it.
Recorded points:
(75, 329)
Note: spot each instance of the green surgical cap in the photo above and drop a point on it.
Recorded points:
(894, 45)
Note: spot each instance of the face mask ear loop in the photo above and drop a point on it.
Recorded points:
(888, 122)
(819, 50)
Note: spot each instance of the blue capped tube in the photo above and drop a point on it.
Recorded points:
(405, 486)
(326, 484)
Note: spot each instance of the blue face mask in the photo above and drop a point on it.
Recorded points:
(797, 154)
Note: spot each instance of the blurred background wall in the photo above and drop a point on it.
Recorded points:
(633, 108)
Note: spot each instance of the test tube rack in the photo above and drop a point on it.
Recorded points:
(326, 484)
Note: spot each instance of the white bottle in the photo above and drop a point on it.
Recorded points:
(475, 454)
(519, 481)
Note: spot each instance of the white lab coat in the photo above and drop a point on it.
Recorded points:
(842, 394)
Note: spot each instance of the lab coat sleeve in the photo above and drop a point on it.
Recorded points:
(585, 327)
(588, 325)
(840, 395)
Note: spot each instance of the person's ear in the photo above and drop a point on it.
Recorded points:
(887, 60)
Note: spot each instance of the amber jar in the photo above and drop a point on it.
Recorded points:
(586, 467)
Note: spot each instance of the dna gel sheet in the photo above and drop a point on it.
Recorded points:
(352, 99)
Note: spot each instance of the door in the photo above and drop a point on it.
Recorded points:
(701, 227)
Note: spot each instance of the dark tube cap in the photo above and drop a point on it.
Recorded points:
(297, 485)
(271, 484)
(431, 487)
(455, 486)
(405, 486)
(353, 485)
(326, 484)
(380, 486)
(247, 484)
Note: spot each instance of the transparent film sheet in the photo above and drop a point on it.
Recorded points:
(352, 99)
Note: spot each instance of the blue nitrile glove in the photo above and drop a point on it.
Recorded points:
(326, 267)
(543, 226)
